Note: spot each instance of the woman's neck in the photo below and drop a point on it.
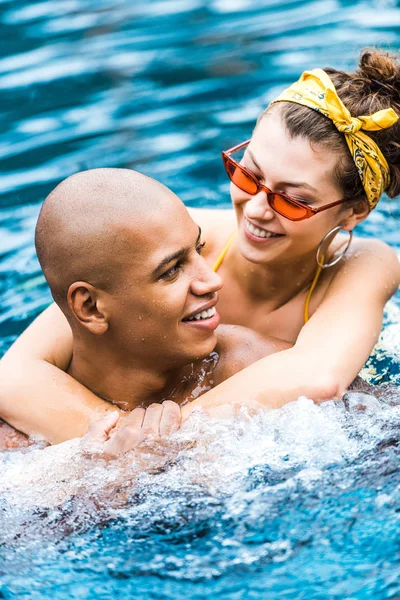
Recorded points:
(277, 283)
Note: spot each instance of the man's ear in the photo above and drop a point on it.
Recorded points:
(85, 303)
(356, 214)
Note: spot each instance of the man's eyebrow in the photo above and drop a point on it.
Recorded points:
(178, 254)
(294, 184)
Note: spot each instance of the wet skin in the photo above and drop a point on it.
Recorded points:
(269, 277)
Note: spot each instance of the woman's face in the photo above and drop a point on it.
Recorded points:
(294, 167)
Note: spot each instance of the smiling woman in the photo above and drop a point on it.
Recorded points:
(318, 161)
(309, 171)
(249, 181)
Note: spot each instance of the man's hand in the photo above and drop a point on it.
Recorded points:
(107, 440)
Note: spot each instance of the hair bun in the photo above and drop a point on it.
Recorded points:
(380, 67)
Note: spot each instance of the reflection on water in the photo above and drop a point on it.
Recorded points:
(292, 504)
(161, 86)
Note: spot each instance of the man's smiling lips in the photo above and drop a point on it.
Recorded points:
(205, 317)
(259, 234)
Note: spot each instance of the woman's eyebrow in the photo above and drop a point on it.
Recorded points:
(249, 152)
(301, 184)
(295, 184)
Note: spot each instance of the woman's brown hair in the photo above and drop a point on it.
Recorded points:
(375, 85)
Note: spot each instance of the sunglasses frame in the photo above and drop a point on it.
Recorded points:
(310, 212)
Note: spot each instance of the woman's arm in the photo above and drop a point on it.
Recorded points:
(36, 396)
(331, 348)
(347, 324)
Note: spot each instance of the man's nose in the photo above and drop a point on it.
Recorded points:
(206, 280)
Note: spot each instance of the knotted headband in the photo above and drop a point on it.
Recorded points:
(315, 89)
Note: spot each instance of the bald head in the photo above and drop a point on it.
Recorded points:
(82, 230)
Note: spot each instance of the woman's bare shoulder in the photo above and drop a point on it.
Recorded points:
(371, 251)
(372, 246)
(216, 225)
(373, 262)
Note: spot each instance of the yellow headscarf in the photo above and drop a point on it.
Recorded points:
(315, 89)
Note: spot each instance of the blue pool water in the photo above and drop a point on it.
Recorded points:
(303, 503)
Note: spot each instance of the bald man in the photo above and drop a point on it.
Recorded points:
(123, 261)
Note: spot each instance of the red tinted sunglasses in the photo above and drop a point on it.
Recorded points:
(284, 205)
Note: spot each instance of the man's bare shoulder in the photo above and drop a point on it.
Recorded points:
(239, 347)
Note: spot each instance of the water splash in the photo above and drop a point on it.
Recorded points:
(251, 494)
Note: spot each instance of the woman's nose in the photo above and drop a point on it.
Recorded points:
(206, 280)
(258, 207)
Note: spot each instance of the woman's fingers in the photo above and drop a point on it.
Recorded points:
(158, 420)
(99, 430)
(161, 420)
(98, 433)
(151, 421)
(128, 436)
(170, 418)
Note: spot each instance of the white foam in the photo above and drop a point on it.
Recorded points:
(301, 440)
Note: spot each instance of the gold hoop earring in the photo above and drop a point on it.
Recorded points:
(330, 235)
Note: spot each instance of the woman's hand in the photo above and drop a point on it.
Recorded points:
(113, 435)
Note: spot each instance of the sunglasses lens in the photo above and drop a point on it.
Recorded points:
(281, 204)
(240, 178)
(287, 208)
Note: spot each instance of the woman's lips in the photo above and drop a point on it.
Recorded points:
(259, 235)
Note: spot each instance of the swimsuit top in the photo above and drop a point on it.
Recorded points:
(318, 272)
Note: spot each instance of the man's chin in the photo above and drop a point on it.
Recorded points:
(203, 350)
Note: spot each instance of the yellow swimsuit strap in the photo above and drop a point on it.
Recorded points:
(310, 293)
(224, 251)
